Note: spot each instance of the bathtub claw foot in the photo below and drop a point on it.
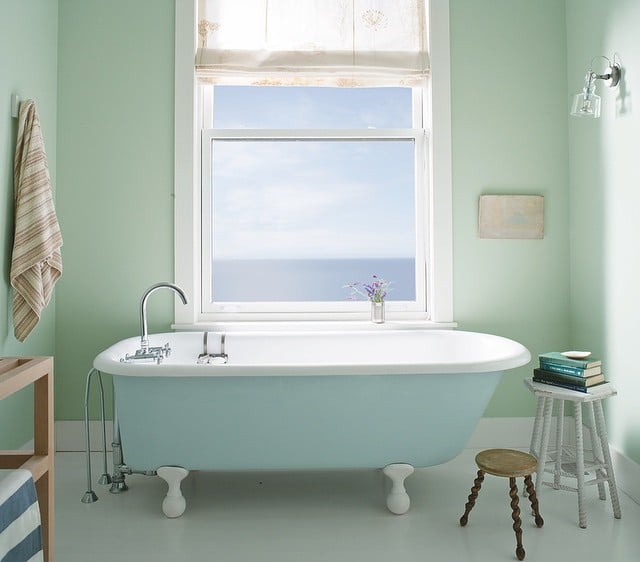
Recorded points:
(398, 500)
(174, 503)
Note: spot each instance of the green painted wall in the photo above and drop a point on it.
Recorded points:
(115, 163)
(511, 135)
(28, 59)
(605, 231)
(509, 132)
(512, 66)
(115, 160)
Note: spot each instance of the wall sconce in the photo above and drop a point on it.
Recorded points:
(587, 102)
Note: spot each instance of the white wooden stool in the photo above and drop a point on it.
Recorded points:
(569, 460)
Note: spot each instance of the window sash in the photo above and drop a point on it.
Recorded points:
(357, 309)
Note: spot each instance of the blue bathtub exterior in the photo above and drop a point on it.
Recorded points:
(298, 422)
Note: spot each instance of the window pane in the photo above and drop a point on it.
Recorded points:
(273, 107)
(298, 220)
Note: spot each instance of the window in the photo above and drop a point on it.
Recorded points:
(286, 194)
(305, 190)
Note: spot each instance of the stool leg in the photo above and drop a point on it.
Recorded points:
(477, 484)
(537, 426)
(559, 441)
(534, 446)
(577, 414)
(604, 441)
(546, 428)
(515, 515)
(596, 450)
(531, 492)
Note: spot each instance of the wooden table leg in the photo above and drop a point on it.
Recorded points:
(43, 432)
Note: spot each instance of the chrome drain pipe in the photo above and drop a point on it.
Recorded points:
(118, 483)
(90, 496)
(105, 478)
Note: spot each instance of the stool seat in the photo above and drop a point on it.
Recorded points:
(506, 462)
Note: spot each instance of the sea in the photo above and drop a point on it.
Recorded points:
(290, 280)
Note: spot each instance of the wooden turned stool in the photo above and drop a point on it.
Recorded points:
(511, 464)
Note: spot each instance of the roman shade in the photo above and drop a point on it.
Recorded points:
(312, 42)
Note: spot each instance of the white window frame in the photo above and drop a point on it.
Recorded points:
(188, 227)
(297, 310)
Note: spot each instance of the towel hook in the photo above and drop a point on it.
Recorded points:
(15, 104)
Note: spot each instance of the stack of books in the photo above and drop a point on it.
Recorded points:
(558, 369)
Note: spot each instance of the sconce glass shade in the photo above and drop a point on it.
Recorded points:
(586, 105)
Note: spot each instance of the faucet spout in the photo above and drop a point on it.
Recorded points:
(144, 338)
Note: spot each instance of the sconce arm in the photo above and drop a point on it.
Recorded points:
(613, 75)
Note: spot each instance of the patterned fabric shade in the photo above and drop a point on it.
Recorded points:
(312, 42)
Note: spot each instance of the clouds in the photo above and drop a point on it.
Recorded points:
(238, 107)
(321, 198)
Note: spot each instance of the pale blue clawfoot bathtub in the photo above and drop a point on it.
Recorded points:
(381, 398)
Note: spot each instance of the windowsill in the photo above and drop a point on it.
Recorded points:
(312, 325)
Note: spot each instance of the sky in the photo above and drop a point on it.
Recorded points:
(313, 199)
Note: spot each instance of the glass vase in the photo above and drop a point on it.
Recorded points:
(377, 312)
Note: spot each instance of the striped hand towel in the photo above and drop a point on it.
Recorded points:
(20, 529)
(36, 263)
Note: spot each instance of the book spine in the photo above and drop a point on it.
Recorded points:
(562, 385)
(559, 377)
(562, 369)
(561, 360)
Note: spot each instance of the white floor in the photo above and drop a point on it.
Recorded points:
(329, 516)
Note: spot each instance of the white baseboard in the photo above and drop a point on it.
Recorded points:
(512, 433)
(627, 474)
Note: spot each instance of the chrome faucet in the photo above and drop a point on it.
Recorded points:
(207, 358)
(145, 352)
(144, 338)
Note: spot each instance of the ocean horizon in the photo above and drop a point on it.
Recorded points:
(290, 280)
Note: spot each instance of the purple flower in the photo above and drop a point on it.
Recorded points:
(375, 291)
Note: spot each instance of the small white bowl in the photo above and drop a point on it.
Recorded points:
(576, 354)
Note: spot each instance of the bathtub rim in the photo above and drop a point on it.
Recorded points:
(108, 361)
